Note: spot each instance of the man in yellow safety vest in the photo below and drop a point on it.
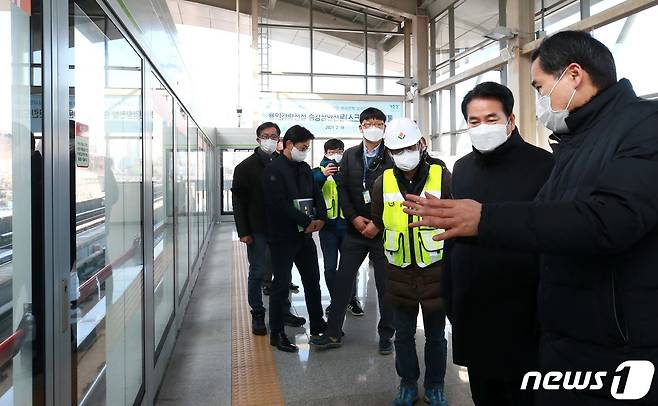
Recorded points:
(415, 260)
(333, 233)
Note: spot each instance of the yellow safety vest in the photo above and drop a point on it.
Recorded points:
(330, 194)
(397, 241)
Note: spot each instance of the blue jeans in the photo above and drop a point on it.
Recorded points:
(331, 238)
(436, 346)
(260, 267)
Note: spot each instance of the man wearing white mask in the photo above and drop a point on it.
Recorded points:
(251, 223)
(414, 261)
(491, 293)
(359, 168)
(333, 232)
(295, 209)
(594, 223)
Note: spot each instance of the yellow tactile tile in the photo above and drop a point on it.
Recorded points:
(254, 380)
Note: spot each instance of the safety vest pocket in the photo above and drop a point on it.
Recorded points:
(425, 237)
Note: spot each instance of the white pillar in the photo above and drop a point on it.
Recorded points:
(420, 67)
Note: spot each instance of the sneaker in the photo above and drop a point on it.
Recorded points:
(325, 342)
(258, 323)
(293, 321)
(435, 397)
(385, 346)
(319, 331)
(326, 311)
(355, 307)
(407, 396)
(266, 290)
(294, 287)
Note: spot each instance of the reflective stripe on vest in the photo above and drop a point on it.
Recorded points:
(330, 194)
(397, 241)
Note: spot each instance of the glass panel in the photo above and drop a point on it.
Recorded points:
(22, 151)
(338, 52)
(386, 55)
(339, 85)
(286, 83)
(445, 118)
(559, 16)
(181, 198)
(627, 38)
(106, 145)
(163, 208)
(332, 16)
(230, 159)
(382, 24)
(288, 51)
(474, 19)
(489, 52)
(386, 86)
(193, 171)
(284, 13)
(597, 6)
(442, 39)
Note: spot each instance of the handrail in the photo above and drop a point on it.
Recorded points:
(88, 287)
(10, 346)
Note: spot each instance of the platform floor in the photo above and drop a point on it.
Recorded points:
(217, 362)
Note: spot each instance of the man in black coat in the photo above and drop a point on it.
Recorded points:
(360, 166)
(595, 222)
(251, 222)
(491, 293)
(295, 209)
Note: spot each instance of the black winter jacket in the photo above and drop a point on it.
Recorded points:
(491, 293)
(247, 191)
(350, 182)
(596, 224)
(284, 181)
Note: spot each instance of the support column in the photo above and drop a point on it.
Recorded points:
(407, 61)
(420, 67)
(521, 19)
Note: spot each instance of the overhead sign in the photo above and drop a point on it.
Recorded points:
(323, 117)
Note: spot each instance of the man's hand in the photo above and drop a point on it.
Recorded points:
(330, 170)
(370, 231)
(460, 218)
(315, 225)
(247, 239)
(360, 223)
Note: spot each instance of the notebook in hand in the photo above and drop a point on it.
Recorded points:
(307, 207)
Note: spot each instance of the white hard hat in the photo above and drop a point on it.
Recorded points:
(401, 133)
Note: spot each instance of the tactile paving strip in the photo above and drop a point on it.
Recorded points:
(254, 380)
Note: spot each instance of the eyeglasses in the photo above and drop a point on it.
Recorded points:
(377, 125)
(272, 137)
(401, 150)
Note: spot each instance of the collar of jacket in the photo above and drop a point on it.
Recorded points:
(499, 153)
(601, 105)
(378, 159)
(263, 157)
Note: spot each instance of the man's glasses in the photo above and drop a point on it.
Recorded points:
(401, 150)
(376, 125)
(272, 137)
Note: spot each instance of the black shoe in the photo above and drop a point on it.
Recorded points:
(266, 290)
(281, 342)
(319, 331)
(326, 311)
(293, 321)
(324, 342)
(385, 346)
(258, 323)
(355, 307)
(294, 287)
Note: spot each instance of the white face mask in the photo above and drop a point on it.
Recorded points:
(488, 137)
(407, 160)
(297, 155)
(335, 157)
(553, 120)
(373, 134)
(268, 146)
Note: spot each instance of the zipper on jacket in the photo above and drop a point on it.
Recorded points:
(614, 310)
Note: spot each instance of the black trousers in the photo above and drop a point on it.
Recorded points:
(301, 251)
(488, 390)
(352, 253)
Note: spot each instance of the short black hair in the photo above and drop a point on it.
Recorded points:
(491, 91)
(296, 134)
(333, 143)
(372, 113)
(563, 48)
(266, 125)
